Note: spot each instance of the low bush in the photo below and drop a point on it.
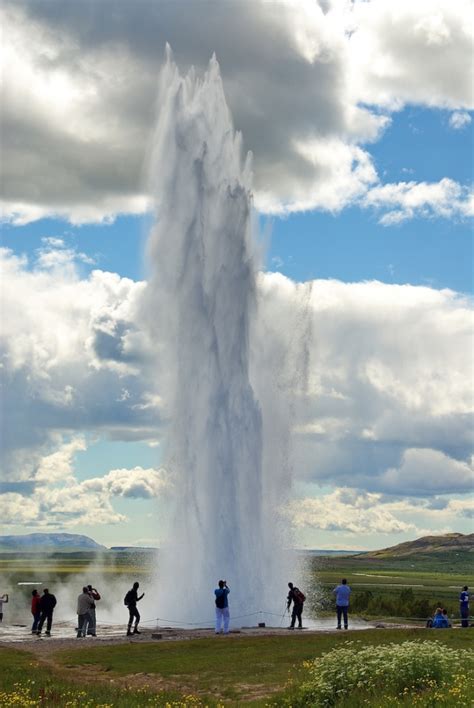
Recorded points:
(398, 671)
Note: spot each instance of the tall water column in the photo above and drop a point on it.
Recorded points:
(203, 296)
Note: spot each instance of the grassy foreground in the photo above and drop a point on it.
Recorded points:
(257, 671)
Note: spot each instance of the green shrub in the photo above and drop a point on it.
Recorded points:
(396, 670)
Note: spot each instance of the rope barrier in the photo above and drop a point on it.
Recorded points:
(206, 622)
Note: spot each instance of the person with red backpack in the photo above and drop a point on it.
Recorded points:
(296, 597)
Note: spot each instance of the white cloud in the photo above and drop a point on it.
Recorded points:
(59, 500)
(364, 385)
(429, 472)
(348, 174)
(309, 86)
(366, 372)
(58, 466)
(18, 509)
(459, 120)
(412, 52)
(132, 483)
(462, 507)
(347, 512)
(78, 348)
(406, 200)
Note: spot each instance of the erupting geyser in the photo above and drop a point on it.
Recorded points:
(203, 295)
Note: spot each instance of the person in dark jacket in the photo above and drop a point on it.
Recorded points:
(222, 606)
(35, 610)
(296, 597)
(95, 595)
(47, 605)
(464, 606)
(131, 600)
(3, 599)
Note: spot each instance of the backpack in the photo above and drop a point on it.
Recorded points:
(298, 596)
(220, 600)
(127, 598)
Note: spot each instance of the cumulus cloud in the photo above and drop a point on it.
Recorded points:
(429, 472)
(133, 483)
(412, 52)
(353, 513)
(361, 385)
(405, 200)
(58, 466)
(459, 120)
(309, 86)
(79, 346)
(380, 371)
(58, 499)
(348, 510)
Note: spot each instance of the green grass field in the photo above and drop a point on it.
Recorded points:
(398, 587)
(213, 671)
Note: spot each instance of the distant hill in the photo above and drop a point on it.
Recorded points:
(49, 541)
(133, 549)
(315, 552)
(452, 543)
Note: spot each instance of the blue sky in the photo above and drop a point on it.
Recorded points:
(380, 194)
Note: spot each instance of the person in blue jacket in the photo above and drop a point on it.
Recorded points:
(222, 607)
(342, 593)
(464, 606)
(439, 620)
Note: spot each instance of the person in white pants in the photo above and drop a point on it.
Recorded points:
(222, 607)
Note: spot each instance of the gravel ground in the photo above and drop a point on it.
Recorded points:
(63, 634)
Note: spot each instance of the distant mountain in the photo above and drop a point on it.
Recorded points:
(133, 549)
(50, 541)
(452, 543)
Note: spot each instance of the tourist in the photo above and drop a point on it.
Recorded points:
(47, 605)
(296, 597)
(222, 607)
(439, 620)
(95, 595)
(131, 599)
(35, 610)
(84, 606)
(446, 617)
(464, 606)
(342, 593)
(3, 599)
